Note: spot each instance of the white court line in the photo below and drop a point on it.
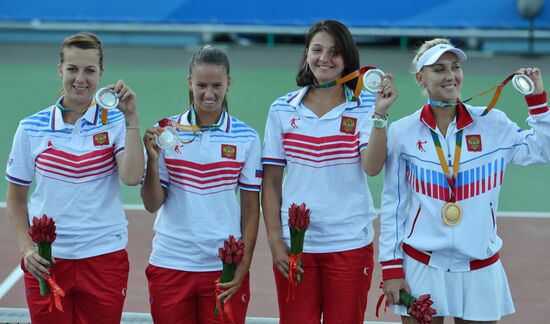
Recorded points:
(18, 315)
(10, 281)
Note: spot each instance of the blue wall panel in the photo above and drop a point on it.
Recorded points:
(356, 13)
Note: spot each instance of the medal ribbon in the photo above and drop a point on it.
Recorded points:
(355, 74)
(496, 95)
(458, 147)
(104, 120)
(193, 121)
(491, 104)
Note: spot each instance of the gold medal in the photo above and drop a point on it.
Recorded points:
(451, 214)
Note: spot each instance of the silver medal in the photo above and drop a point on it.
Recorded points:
(106, 98)
(523, 84)
(372, 80)
(168, 139)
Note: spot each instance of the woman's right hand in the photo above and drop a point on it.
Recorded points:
(280, 253)
(392, 288)
(35, 264)
(151, 147)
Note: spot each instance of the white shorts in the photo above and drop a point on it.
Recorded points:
(479, 295)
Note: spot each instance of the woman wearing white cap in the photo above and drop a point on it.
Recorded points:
(441, 190)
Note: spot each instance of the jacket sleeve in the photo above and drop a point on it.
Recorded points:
(532, 146)
(395, 198)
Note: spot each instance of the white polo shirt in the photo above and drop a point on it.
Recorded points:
(201, 208)
(323, 164)
(76, 178)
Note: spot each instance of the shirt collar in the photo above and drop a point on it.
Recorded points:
(57, 123)
(297, 98)
(464, 118)
(184, 118)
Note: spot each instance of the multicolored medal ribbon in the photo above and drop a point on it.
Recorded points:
(451, 214)
(193, 121)
(355, 74)
(169, 137)
(298, 222)
(42, 232)
(521, 83)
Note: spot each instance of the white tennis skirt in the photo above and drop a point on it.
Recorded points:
(479, 295)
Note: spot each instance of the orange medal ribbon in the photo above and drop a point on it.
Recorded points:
(355, 74)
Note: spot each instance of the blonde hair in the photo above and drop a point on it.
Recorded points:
(82, 40)
(426, 46)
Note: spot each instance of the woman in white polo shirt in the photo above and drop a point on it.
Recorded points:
(76, 162)
(320, 135)
(193, 188)
(443, 177)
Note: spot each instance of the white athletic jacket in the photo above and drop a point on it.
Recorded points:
(415, 187)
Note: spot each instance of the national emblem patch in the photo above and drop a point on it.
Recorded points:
(229, 151)
(474, 143)
(348, 125)
(101, 139)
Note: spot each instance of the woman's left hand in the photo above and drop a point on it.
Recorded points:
(126, 96)
(386, 95)
(536, 76)
(232, 286)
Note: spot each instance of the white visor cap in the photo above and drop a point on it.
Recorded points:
(434, 53)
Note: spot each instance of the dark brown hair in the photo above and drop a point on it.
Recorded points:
(345, 46)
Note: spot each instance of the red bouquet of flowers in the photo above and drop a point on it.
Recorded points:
(231, 255)
(298, 222)
(420, 309)
(42, 232)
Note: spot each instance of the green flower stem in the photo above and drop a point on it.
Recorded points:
(297, 246)
(228, 272)
(297, 241)
(405, 298)
(45, 251)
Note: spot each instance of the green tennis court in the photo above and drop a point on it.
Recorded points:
(29, 82)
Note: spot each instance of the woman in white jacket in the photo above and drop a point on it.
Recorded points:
(441, 189)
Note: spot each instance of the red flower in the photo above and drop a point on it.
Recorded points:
(298, 217)
(231, 255)
(298, 222)
(43, 229)
(232, 251)
(165, 122)
(42, 232)
(421, 309)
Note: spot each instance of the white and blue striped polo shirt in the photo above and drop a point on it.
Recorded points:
(201, 208)
(76, 178)
(323, 169)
